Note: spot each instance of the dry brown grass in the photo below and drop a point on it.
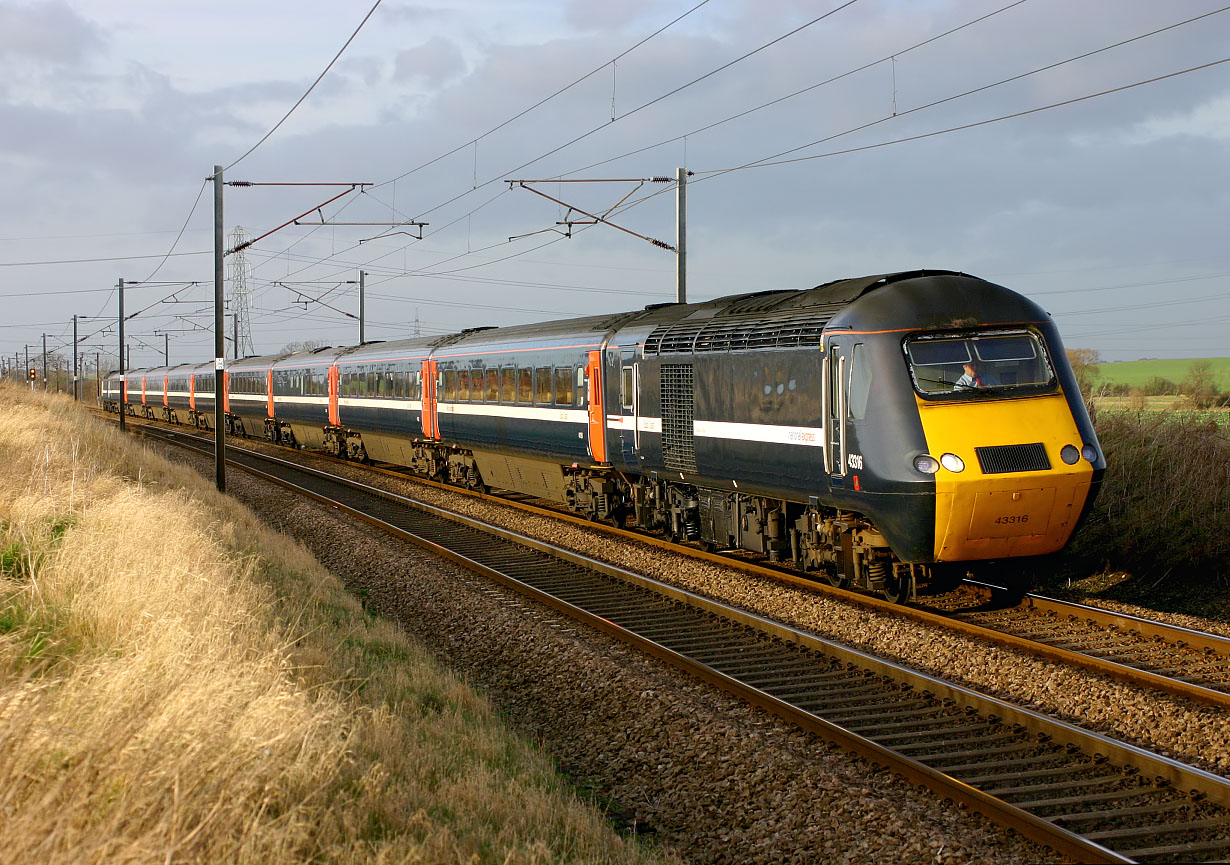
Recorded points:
(180, 684)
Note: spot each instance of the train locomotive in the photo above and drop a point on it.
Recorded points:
(882, 432)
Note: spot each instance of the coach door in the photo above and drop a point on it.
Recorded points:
(335, 418)
(835, 412)
(597, 407)
(629, 407)
(431, 424)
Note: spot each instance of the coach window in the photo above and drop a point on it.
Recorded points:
(860, 382)
(491, 384)
(563, 385)
(463, 384)
(626, 388)
(416, 383)
(508, 384)
(450, 384)
(542, 385)
(525, 384)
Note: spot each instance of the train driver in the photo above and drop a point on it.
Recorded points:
(975, 377)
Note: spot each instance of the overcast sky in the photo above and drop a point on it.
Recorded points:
(1111, 212)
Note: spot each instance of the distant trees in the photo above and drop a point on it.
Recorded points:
(303, 345)
(1158, 386)
(1200, 386)
(1084, 363)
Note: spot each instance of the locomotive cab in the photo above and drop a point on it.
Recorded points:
(1012, 468)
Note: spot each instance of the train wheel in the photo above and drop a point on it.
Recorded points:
(896, 588)
(837, 577)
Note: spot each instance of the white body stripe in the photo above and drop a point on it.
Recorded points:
(369, 402)
(301, 400)
(644, 424)
(518, 412)
(759, 432)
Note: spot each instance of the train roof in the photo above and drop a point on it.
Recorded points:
(908, 300)
(778, 318)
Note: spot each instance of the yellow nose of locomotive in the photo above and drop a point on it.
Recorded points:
(1010, 492)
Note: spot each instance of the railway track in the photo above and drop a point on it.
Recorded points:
(1088, 796)
(1183, 663)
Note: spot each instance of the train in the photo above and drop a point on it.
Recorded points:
(882, 433)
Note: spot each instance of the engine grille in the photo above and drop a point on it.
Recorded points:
(1002, 459)
(678, 448)
(742, 333)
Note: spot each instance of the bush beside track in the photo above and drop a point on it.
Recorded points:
(180, 683)
(1162, 519)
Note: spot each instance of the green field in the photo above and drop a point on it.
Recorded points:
(1135, 373)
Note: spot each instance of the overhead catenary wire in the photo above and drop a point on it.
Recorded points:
(546, 99)
(308, 92)
(332, 259)
(711, 73)
(773, 161)
(929, 105)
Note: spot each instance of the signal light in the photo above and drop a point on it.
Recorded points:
(33, 374)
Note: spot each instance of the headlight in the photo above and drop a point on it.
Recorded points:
(1090, 453)
(952, 462)
(926, 464)
(1070, 454)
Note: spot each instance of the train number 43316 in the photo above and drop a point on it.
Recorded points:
(1010, 520)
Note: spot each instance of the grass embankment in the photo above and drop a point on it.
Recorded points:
(181, 684)
(1159, 532)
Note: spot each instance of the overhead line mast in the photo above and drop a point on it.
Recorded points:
(680, 247)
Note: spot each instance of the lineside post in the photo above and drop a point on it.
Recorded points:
(76, 369)
(681, 235)
(123, 407)
(219, 340)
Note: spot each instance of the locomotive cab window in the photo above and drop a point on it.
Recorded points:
(992, 363)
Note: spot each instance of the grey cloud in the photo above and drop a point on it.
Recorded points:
(605, 15)
(432, 63)
(416, 13)
(47, 31)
